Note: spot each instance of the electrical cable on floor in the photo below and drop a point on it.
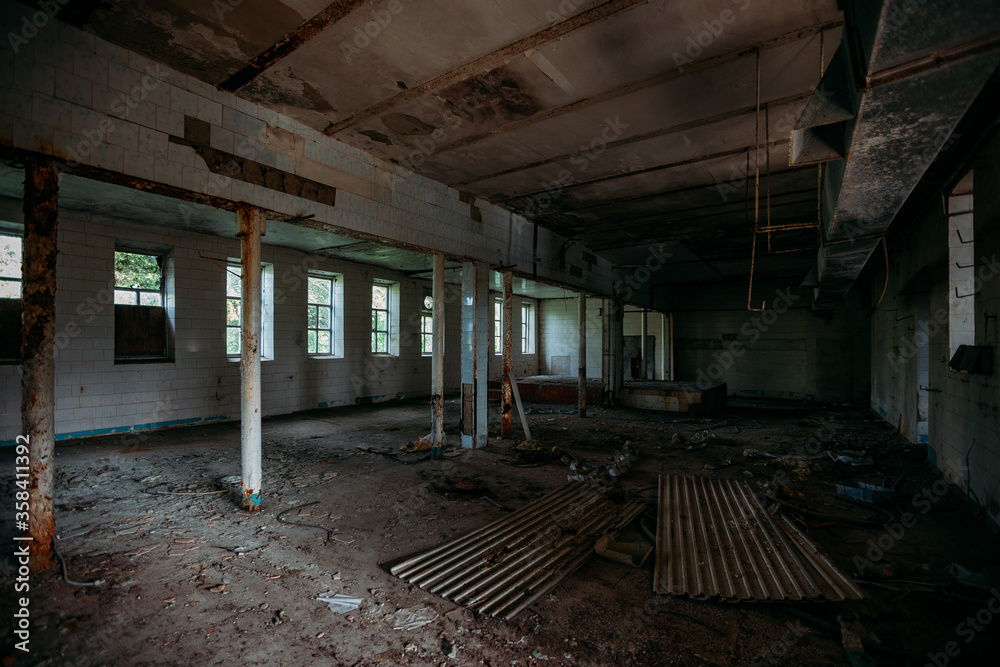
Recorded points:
(65, 575)
(329, 533)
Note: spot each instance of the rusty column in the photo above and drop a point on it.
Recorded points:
(581, 391)
(437, 361)
(508, 348)
(251, 225)
(38, 323)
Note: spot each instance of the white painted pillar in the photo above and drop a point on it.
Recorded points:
(507, 393)
(437, 361)
(250, 222)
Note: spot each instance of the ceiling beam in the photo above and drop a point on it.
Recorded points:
(645, 136)
(290, 42)
(489, 61)
(655, 80)
(618, 245)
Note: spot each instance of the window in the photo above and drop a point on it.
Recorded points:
(427, 327)
(234, 311)
(498, 326)
(527, 328)
(320, 316)
(141, 323)
(10, 297)
(385, 307)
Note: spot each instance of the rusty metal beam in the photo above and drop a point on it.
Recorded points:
(653, 134)
(581, 387)
(38, 320)
(437, 361)
(488, 61)
(508, 347)
(648, 82)
(250, 221)
(290, 42)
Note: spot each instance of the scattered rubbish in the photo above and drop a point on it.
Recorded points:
(595, 471)
(412, 618)
(628, 553)
(514, 561)
(677, 439)
(421, 444)
(868, 493)
(853, 637)
(702, 436)
(714, 538)
(538, 655)
(852, 458)
(448, 647)
(152, 479)
(339, 603)
(748, 474)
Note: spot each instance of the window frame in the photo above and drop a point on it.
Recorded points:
(14, 324)
(17, 280)
(164, 262)
(527, 327)
(391, 310)
(497, 326)
(334, 281)
(426, 327)
(266, 311)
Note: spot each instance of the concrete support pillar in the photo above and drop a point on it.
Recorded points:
(618, 335)
(606, 351)
(643, 347)
(38, 321)
(437, 361)
(581, 390)
(508, 349)
(250, 222)
(475, 353)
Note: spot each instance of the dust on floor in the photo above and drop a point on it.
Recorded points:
(191, 579)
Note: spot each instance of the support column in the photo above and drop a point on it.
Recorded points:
(581, 390)
(618, 333)
(38, 321)
(437, 361)
(606, 352)
(508, 337)
(251, 226)
(475, 353)
(643, 347)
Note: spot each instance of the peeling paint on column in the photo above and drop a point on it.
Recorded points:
(38, 294)
(251, 227)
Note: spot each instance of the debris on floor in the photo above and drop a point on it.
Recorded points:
(633, 554)
(504, 567)
(714, 538)
(338, 602)
(870, 493)
(412, 618)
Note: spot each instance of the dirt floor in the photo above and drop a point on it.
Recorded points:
(191, 579)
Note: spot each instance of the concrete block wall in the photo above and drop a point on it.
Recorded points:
(95, 395)
(963, 412)
(72, 95)
(559, 326)
(795, 354)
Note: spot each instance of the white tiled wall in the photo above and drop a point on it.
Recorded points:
(95, 395)
(70, 94)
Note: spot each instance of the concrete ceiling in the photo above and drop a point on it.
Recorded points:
(625, 125)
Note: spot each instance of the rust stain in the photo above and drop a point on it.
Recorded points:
(494, 95)
(40, 206)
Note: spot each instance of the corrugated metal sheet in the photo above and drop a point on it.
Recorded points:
(714, 538)
(506, 566)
